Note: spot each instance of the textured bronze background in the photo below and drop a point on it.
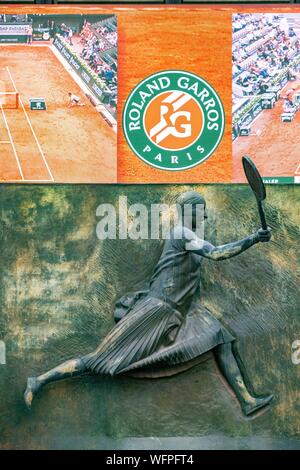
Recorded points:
(58, 283)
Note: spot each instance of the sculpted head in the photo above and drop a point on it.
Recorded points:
(191, 202)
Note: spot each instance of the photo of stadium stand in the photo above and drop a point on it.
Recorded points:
(58, 98)
(266, 94)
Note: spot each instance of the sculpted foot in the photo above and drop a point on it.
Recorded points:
(257, 404)
(32, 388)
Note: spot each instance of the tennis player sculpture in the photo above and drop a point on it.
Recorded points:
(166, 326)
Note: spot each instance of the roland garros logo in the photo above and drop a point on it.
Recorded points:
(173, 120)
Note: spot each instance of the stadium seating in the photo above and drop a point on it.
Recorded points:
(98, 47)
(263, 46)
(13, 18)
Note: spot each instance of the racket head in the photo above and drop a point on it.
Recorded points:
(254, 179)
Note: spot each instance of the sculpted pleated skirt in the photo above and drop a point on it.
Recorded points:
(152, 333)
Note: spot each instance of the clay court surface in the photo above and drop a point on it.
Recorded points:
(60, 144)
(195, 41)
(274, 145)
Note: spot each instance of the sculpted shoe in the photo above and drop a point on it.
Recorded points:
(32, 388)
(257, 404)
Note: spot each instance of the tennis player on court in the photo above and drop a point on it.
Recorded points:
(74, 100)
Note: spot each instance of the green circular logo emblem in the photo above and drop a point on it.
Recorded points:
(173, 120)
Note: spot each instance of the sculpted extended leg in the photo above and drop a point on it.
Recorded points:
(65, 370)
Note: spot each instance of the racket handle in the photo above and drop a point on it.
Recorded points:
(262, 216)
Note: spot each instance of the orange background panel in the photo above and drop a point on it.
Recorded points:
(155, 38)
(184, 39)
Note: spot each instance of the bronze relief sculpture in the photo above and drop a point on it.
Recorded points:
(166, 326)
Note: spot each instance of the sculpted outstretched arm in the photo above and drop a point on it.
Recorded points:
(218, 253)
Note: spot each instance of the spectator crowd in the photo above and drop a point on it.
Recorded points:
(4, 18)
(263, 45)
(97, 46)
(99, 43)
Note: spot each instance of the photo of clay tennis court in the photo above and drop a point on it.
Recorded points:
(266, 83)
(275, 156)
(72, 144)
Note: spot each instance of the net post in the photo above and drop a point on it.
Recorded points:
(9, 99)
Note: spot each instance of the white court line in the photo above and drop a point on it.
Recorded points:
(12, 142)
(30, 125)
(297, 172)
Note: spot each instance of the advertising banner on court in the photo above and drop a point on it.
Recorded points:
(13, 32)
(247, 117)
(41, 34)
